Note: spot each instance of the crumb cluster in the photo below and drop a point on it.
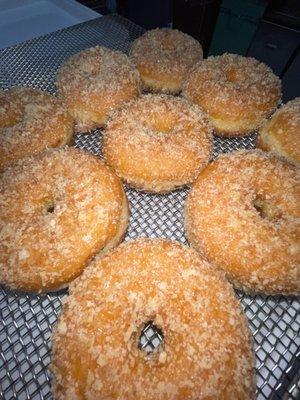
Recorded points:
(243, 214)
(158, 142)
(237, 92)
(30, 121)
(206, 351)
(57, 209)
(95, 81)
(281, 133)
(163, 57)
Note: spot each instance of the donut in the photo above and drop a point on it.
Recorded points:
(237, 92)
(31, 121)
(57, 209)
(163, 58)
(281, 133)
(157, 143)
(243, 215)
(95, 81)
(206, 351)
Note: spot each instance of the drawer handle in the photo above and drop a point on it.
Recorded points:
(271, 45)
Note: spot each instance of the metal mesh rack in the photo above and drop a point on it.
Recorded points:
(27, 320)
(151, 337)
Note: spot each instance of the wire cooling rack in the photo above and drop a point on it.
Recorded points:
(27, 320)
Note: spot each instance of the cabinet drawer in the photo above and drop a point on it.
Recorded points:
(274, 45)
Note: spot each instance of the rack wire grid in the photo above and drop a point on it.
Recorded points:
(27, 320)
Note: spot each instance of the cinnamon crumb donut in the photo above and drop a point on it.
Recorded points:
(163, 57)
(95, 81)
(57, 210)
(31, 121)
(243, 214)
(158, 142)
(206, 352)
(281, 133)
(237, 92)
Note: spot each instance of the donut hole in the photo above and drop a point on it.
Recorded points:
(91, 68)
(235, 75)
(32, 108)
(266, 209)
(167, 41)
(151, 338)
(50, 207)
(12, 120)
(161, 125)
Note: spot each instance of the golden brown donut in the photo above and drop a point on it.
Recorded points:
(158, 142)
(31, 121)
(281, 133)
(206, 352)
(237, 92)
(243, 214)
(95, 81)
(57, 209)
(163, 57)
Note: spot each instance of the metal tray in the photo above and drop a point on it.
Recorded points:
(27, 320)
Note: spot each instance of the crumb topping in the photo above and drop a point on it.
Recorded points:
(167, 51)
(96, 69)
(57, 209)
(232, 85)
(30, 121)
(243, 214)
(281, 133)
(158, 140)
(206, 352)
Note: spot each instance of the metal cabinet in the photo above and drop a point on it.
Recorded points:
(275, 45)
(291, 80)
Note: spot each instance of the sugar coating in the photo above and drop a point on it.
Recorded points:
(158, 142)
(165, 55)
(206, 351)
(281, 133)
(237, 92)
(57, 209)
(95, 81)
(31, 121)
(243, 215)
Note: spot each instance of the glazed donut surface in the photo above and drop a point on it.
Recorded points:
(31, 121)
(95, 81)
(163, 57)
(243, 215)
(281, 133)
(158, 142)
(206, 350)
(237, 92)
(57, 210)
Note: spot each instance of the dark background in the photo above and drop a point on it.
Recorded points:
(266, 30)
